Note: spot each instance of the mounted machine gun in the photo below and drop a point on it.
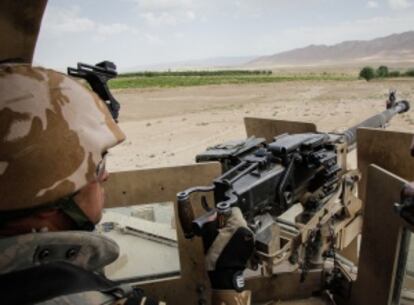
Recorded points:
(306, 173)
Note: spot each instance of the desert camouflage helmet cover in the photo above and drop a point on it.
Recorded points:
(53, 132)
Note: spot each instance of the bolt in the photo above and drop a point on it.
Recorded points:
(71, 253)
(201, 288)
(44, 254)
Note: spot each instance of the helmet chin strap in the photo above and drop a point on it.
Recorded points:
(70, 208)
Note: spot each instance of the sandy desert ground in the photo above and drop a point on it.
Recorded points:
(167, 127)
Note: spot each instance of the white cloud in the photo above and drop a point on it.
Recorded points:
(165, 12)
(399, 4)
(58, 21)
(163, 5)
(167, 18)
(250, 9)
(190, 15)
(113, 29)
(154, 40)
(372, 4)
(179, 35)
(155, 19)
(67, 21)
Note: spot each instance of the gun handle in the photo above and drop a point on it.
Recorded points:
(200, 222)
(185, 214)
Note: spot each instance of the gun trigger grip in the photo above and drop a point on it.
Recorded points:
(200, 222)
(204, 204)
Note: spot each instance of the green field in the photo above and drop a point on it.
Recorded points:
(165, 80)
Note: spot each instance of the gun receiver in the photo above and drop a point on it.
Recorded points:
(266, 179)
(98, 76)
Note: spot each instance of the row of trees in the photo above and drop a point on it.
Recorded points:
(197, 73)
(369, 73)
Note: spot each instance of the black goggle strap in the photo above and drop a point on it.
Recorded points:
(66, 204)
(6, 216)
(69, 207)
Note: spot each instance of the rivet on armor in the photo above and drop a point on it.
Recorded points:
(71, 253)
(45, 253)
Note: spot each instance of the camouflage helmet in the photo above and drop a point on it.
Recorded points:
(53, 132)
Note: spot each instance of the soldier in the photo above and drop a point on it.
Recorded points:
(54, 136)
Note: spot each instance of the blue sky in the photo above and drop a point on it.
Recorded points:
(144, 32)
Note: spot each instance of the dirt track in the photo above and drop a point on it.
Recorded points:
(170, 126)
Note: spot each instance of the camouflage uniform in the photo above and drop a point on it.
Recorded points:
(53, 132)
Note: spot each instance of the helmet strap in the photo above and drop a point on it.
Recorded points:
(71, 209)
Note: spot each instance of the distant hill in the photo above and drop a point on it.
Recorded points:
(206, 63)
(396, 50)
(392, 48)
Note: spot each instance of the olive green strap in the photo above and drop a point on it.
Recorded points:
(69, 207)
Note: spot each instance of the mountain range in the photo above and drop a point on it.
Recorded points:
(392, 48)
(395, 49)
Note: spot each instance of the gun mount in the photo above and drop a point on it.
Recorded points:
(265, 180)
(97, 77)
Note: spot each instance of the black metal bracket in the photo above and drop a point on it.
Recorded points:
(97, 77)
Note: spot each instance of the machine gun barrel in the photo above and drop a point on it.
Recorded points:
(376, 121)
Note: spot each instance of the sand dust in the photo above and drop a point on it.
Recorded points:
(167, 127)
